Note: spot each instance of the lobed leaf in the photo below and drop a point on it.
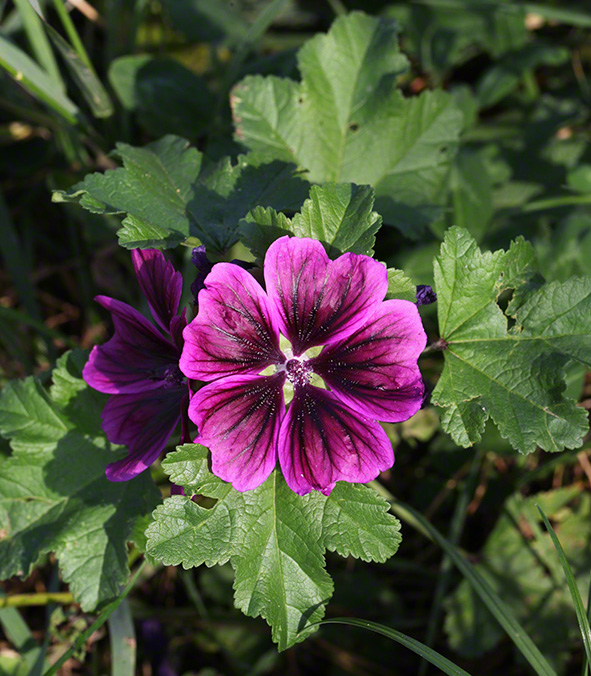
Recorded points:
(168, 195)
(54, 496)
(339, 215)
(365, 131)
(274, 538)
(513, 374)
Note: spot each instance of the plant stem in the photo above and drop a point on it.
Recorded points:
(41, 599)
(337, 7)
(555, 202)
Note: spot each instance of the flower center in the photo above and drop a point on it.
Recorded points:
(173, 377)
(298, 372)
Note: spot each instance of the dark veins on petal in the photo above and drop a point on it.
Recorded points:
(323, 441)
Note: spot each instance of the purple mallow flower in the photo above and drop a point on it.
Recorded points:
(322, 340)
(139, 367)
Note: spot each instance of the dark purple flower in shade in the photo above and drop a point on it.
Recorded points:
(320, 339)
(204, 265)
(425, 295)
(139, 367)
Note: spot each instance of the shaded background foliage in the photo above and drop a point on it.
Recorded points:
(520, 75)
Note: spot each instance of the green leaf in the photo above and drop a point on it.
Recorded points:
(279, 564)
(400, 286)
(339, 215)
(513, 374)
(184, 532)
(54, 496)
(274, 538)
(261, 227)
(226, 193)
(167, 97)
(356, 523)
(168, 196)
(503, 77)
(153, 187)
(365, 131)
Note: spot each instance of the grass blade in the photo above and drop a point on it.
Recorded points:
(428, 654)
(35, 80)
(39, 42)
(123, 643)
(585, 671)
(487, 594)
(14, 260)
(70, 29)
(100, 620)
(79, 64)
(445, 569)
(572, 587)
(87, 80)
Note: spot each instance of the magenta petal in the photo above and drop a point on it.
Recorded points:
(322, 441)
(234, 331)
(374, 371)
(136, 359)
(160, 283)
(318, 300)
(144, 423)
(239, 418)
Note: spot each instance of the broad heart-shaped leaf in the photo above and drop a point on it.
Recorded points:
(347, 122)
(54, 496)
(274, 538)
(340, 215)
(168, 195)
(516, 374)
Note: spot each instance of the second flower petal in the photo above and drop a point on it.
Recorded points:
(144, 423)
(135, 359)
